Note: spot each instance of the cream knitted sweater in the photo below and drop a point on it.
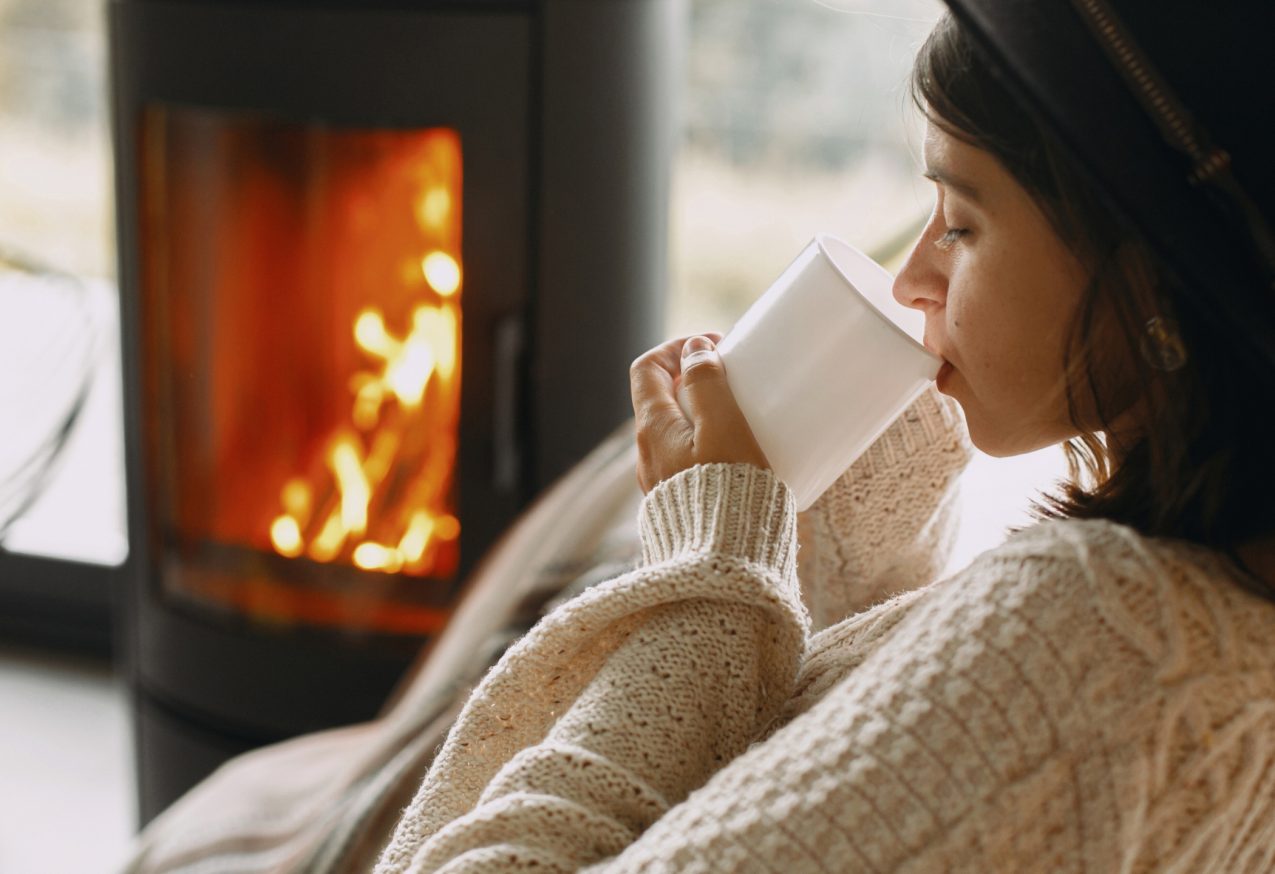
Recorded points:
(1079, 699)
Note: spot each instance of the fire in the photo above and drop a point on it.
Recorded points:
(441, 272)
(285, 533)
(379, 500)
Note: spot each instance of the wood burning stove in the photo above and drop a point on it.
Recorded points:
(383, 268)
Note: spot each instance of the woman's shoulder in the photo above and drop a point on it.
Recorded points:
(1098, 601)
(1171, 661)
(1101, 557)
(1089, 617)
(1078, 659)
(1178, 605)
(1046, 575)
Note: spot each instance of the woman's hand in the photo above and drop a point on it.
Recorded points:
(668, 441)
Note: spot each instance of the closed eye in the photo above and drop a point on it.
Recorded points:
(949, 239)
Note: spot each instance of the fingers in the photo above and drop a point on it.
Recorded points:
(653, 375)
(669, 442)
(710, 403)
(664, 437)
(721, 431)
(703, 378)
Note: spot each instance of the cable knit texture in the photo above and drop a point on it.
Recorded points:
(1081, 698)
(888, 524)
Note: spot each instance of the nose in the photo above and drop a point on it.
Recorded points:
(922, 282)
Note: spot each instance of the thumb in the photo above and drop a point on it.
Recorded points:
(721, 432)
(704, 378)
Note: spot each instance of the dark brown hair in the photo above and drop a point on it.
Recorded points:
(1197, 465)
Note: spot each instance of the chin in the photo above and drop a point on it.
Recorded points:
(1002, 442)
(988, 445)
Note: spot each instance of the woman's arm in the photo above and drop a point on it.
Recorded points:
(888, 524)
(990, 730)
(1075, 700)
(627, 698)
(966, 740)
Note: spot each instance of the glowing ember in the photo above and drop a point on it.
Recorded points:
(441, 272)
(412, 546)
(285, 534)
(434, 208)
(375, 557)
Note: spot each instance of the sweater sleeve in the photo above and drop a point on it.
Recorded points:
(889, 522)
(977, 735)
(624, 700)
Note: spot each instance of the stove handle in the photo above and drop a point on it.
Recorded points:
(507, 460)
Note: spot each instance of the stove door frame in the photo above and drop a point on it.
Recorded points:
(321, 67)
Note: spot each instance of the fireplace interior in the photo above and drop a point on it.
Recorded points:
(362, 247)
(336, 250)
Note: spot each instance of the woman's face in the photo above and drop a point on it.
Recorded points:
(999, 290)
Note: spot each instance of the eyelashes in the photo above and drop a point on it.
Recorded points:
(951, 237)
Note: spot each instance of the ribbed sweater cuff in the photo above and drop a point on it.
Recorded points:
(736, 510)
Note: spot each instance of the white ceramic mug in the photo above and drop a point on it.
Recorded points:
(823, 362)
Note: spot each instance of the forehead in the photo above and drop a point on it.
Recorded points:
(963, 168)
(943, 150)
(936, 141)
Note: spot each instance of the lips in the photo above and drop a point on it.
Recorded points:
(945, 370)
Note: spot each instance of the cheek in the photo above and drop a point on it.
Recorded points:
(974, 324)
(998, 331)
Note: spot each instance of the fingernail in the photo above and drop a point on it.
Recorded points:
(696, 344)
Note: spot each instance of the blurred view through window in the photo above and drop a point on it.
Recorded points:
(59, 347)
(55, 160)
(795, 120)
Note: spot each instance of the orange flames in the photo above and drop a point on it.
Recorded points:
(379, 496)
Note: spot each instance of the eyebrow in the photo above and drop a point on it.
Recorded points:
(955, 183)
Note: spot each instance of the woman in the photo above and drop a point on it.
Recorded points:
(1096, 694)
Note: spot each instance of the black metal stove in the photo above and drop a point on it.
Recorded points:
(383, 269)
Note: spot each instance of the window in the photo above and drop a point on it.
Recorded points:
(57, 246)
(796, 120)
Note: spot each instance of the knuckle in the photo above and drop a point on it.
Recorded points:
(698, 369)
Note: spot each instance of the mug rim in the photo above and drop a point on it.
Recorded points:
(822, 239)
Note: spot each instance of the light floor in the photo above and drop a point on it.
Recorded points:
(66, 768)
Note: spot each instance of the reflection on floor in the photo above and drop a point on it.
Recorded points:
(66, 767)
